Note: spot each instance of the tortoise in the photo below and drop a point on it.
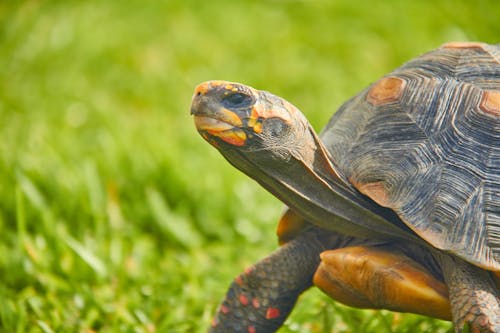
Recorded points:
(395, 205)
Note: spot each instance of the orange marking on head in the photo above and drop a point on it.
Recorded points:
(254, 117)
(463, 45)
(226, 116)
(257, 128)
(230, 86)
(253, 121)
(202, 88)
(259, 112)
(272, 313)
(236, 137)
(235, 141)
(386, 90)
(490, 102)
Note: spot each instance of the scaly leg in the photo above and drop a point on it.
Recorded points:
(260, 299)
(474, 297)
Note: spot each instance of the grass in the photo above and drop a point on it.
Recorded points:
(115, 215)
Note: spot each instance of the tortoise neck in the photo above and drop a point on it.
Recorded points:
(309, 183)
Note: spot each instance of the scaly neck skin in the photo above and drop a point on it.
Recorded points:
(307, 182)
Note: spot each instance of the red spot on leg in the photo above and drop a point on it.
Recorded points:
(243, 300)
(214, 322)
(249, 270)
(239, 280)
(224, 309)
(272, 313)
(251, 329)
(255, 303)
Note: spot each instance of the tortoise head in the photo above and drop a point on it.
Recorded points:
(234, 117)
(267, 138)
(271, 141)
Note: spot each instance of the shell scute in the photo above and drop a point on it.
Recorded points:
(463, 45)
(386, 90)
(490, 102)
(432, 153)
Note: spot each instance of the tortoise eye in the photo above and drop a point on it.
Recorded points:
(237, 100)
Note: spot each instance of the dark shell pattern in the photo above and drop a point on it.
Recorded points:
(425, 142)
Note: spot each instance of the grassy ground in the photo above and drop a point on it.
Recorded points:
(115, 215)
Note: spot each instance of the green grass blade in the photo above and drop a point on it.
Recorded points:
(87, 256)
(175, 226)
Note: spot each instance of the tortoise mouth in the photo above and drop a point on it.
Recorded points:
(209, 123)
(226, 129)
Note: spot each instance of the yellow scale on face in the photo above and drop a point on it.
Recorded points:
(254, 122)
(227, 130)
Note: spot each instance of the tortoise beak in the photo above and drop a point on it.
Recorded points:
(213, 120)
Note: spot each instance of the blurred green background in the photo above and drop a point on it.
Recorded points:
(115, 215)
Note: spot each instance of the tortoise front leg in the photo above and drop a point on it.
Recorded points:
(475, 299)
(261, 298)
